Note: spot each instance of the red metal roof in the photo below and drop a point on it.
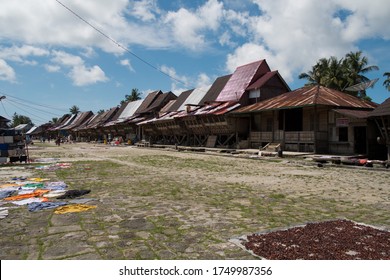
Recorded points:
(309, 96)
(266, 78)
(241, 79)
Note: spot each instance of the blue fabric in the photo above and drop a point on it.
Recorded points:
(36, 206)
(56, 186)
(4, 194)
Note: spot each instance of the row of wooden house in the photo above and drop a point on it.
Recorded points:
(251, 108)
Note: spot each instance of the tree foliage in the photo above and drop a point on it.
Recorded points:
(74, 109)
(386, 83)
(20, 119)
(54, 120)
(340, 73)
(133, 96)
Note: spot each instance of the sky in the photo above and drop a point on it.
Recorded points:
(58, 53)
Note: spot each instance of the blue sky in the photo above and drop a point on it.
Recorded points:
(51, 60)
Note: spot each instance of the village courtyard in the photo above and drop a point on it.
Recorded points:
(168, 204)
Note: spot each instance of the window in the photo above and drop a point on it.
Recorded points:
(343, 134)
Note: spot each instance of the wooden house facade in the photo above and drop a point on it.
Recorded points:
(310, 119)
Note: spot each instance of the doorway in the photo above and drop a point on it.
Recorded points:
(360, 139)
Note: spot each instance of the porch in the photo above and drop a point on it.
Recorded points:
(296, 141)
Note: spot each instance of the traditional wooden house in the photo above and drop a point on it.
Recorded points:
(309, 119)
(201, 117)
(381, 117)
(80, 119)
(93, 129)
(4, 122)
(118, 127)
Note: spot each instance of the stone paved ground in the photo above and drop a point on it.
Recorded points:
(159, 204)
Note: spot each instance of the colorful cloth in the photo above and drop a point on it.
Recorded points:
(36, 206)
(10, 185)
(73, 208)
(55, 193)
(55, 185)
(30, 200)
(36, 193)
(21, 196)
(38, 179)
(3, 213)
(73, 194)
(33, 186)
(7, 193)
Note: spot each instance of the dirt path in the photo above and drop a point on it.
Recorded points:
(164, 204)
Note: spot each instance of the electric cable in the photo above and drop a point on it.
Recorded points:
(119, 44)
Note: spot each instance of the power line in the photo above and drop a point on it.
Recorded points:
(31, 102)
(38, 117)
(119, 44)
(36, 109)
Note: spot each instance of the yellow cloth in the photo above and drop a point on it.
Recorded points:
(73, 208)
(38, 179)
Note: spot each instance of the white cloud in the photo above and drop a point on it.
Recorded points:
(189, 27)
(7, 73)
(52, 68)
(203, 80)
(21, 53)
(367, 19)
(293, 35)
(145, 10)
(83, 76)
(127, 64)
(45, 22)
(80, 74)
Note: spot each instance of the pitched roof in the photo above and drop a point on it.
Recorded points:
(130, 109)
(195, 97)
(215, 89)
(309, 96)
(159, 102)
(267, 77)
(180, 99)
(382, 110)
(102, 118)
(2, 119)
(241, 79)
(148, 101)
(79, 120)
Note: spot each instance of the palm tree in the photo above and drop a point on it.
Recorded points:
(54, 120)
(356, 66)
(340, 74)
(134, 95)
(334, 74)
(386, 83)
(74, 109)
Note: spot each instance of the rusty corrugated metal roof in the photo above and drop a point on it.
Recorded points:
(241, 79)
(357, 114)
(382, 110)
(308, 96)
